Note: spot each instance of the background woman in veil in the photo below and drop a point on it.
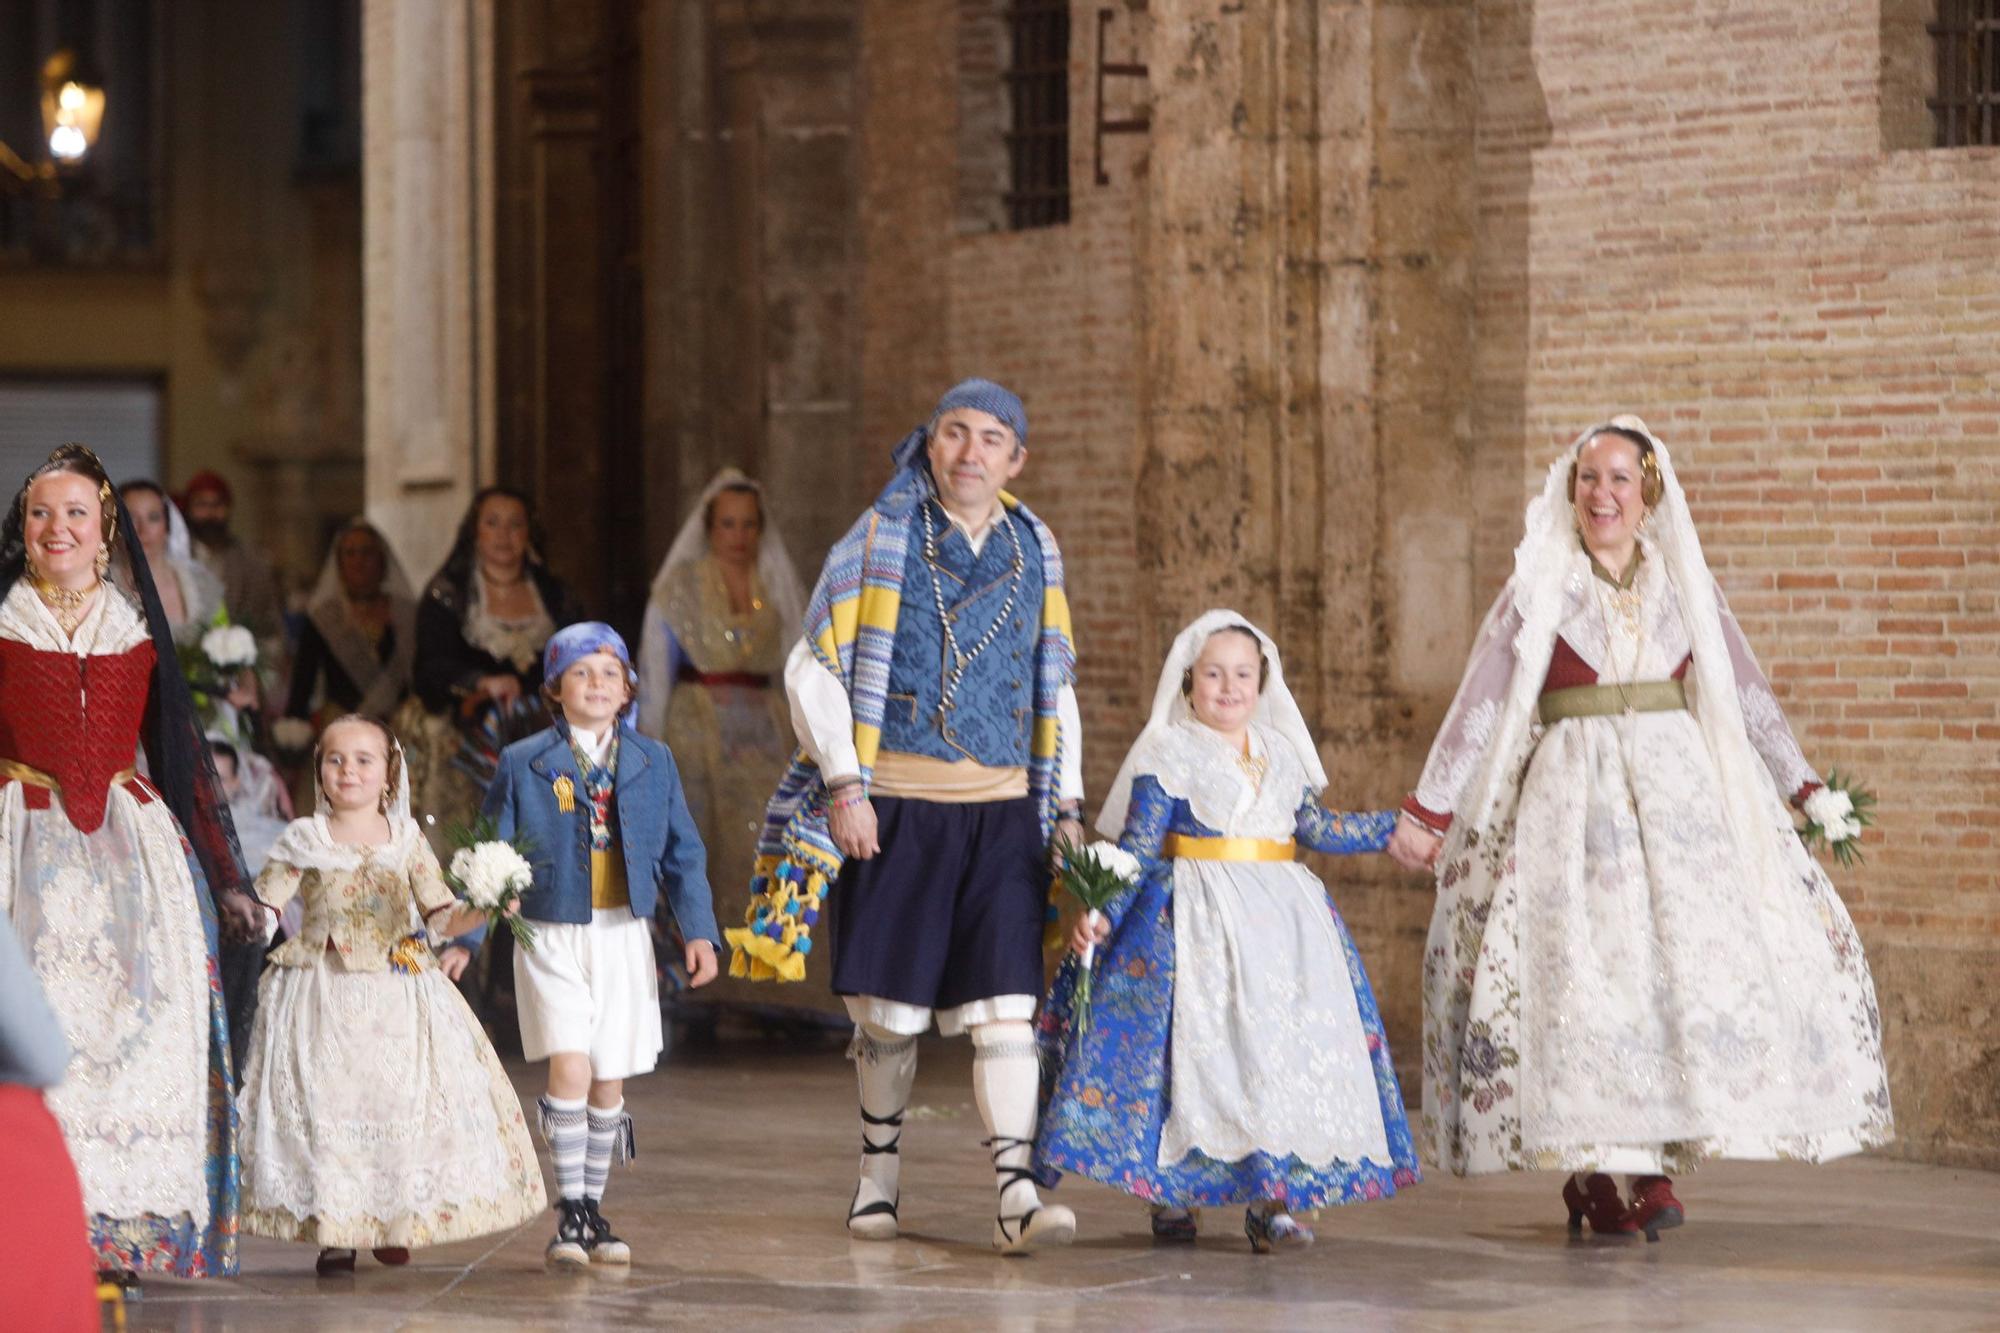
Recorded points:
(726, 607)
(192, 598)
(119, 922)
(360, 635)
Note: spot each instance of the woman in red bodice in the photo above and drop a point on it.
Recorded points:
(1634, 965)
(118, 920)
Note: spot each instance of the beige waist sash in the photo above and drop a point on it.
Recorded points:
(952, 781)
(1639, 696)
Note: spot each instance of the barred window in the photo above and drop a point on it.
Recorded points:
(1966, 106)
(1038, 88)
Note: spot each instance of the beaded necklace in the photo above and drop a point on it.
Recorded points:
(955, 662)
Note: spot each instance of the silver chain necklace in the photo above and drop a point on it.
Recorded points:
(956, 662)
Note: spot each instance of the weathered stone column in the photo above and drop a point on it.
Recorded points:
(1307, 269)
(426, 236)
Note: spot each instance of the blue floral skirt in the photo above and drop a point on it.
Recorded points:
(1106, 1090)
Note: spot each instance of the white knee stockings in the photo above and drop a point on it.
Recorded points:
(885, 1064)
(1006, 1081)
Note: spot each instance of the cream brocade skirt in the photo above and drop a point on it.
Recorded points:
(110, 923)
(1607, 986)
(375, 1113)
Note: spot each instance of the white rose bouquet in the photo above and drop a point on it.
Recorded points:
(1095, 875)
(1836, 814)
(212, 665)
(229, 648)
(492, 874)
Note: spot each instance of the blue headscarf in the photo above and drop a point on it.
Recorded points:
(980, 395)
(572, 643)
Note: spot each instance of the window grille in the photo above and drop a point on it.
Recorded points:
(1038, 87)
(1966, 36)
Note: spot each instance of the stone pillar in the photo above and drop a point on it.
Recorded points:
(1307, 269)
(426, 238)
(1259, 440)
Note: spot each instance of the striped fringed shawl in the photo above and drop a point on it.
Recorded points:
(851, 623)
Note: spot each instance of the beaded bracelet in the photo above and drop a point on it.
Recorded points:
(849, 796)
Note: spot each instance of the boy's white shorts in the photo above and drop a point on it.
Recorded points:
(592, 988)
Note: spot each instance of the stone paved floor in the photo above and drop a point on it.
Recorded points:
(735, 1205)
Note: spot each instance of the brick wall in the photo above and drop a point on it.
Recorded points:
(1716, 237)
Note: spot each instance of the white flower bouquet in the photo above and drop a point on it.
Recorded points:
(491, 874)
(229, 648)
(1094, 876)
(212, 665)
(1836, 814)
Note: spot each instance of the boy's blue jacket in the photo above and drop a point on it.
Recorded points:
(656, 833)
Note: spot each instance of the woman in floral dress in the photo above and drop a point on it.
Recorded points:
(1633, 964)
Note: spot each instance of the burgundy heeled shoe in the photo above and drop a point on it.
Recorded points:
(392, 1256)
(1654, 1207)
(1599, 1202)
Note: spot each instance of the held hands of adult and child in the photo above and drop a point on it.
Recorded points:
(1413, 846)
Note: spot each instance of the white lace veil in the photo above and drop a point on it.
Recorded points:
(1276, 709)
(774, 563)
(328, 586)
(180, 542)
(382, 684)
(1543, 569)
(308, 843)
(775, 569)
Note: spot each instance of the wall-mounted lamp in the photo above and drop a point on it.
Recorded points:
(72, 109)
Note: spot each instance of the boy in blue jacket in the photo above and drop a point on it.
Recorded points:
(603, 808)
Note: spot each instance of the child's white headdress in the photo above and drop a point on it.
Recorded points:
(308, 843)
(1276, 709)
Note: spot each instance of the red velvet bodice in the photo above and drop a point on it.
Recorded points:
(1566, 668)
(74, 718)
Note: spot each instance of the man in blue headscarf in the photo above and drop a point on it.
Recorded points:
(933, 695)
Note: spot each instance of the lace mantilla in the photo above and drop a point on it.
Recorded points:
(1193, 764)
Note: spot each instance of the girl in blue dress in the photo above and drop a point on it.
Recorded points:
(1234, 1052)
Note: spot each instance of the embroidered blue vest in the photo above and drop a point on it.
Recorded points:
(993, 712)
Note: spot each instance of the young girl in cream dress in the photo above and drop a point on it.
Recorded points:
(374, 1111)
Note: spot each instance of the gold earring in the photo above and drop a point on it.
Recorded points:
(103, 561)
